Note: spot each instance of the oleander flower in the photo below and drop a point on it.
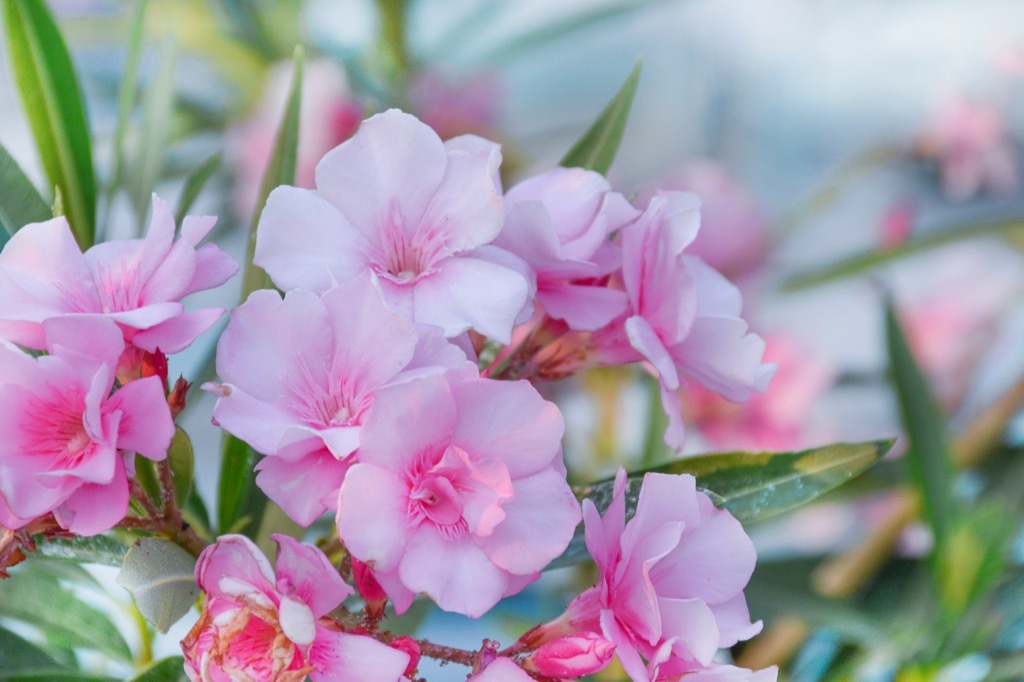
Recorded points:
(559, 223)
(258, 626)
(725, 673)
(685, 317)
(670, 592)
(137, 283)
(459, 492)
(575, 655)
(418, 213)
(300, 374)
(69, 444)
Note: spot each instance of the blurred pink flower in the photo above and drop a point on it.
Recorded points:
(733, 237)
(69, 444)
(137, 283)
(582, 653)
(671, 580)
(559, 223)
(329, 114)
(684, 317)
(459, 492)
(501, 669)
(255, 626)
(467, 106)
(418, 213)
(725, 673)
(969, 142)
(773, 420)
(300, 375)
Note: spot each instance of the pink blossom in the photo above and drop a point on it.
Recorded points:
(258, 626)
(137, 283)
(583, 653)
(417, 213)
(501, 669)
(559, 223)
(300, 375)
(671, 580)
(69, 445)
(685, 316)
(329, 114)
(459, 492)
(453, 108)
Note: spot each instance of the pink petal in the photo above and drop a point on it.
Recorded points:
(720, 354)
(406, 419)
(646, 341)
(501, 670)
(393, 160)
(470, 293)
(159, 238)
(91, 336)
(303, 489)
(456, 574)
(305, 573)
(372, 518)
(234, 567)
(302, 241)
(691, 623)
(625, 648)
(528, 435)
(733, 618)
(147, 316)
(539, 522)
(343, 656)
(583, 307)
(146, 426)
(260, 424)
(94, 508)
(213, 267)
(178, 333)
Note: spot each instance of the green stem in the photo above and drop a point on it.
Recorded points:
(394, 46)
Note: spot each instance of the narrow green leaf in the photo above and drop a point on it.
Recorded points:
(160, 576)
(20, 203)
(238, 497)
(98, 549)
(37, 598)
(182, 460)
(19, 655)
(597, 148)
(751, 485)
(974, 556)
(165, 670)
(195, 184)
(280, 171)
(868, 260)
(158, 105)
(928, 458)
(55, 109)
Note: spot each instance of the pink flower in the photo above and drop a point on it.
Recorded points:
(469, 106)
(255, 626)
(575, 655)
(300, 375)
(559, 223)
(459, 493)
(136, 283)
(685, 317)
(725, 673)
(69, 445)
(418, 213)
(501, 669)
(671, 580)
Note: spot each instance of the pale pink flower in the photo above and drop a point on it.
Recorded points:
(300, 375)
(670, 592)
(69, 445)
(725, 673)
(137, 283)
(501, 669)
(456, 107)
(969, 142)
(258, 626)
(418, 213)
(459, 492)
(329, 113)
(685, 317)
(559, 222)
(575, 655)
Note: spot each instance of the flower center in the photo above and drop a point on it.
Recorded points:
(54, 428)
(119, 285)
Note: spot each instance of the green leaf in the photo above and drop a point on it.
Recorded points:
(194, 185)
(928, 458)
(182, 460)
(160, 576)
(860, 263)
(751, 485)
(280, 171)
(165, 670)
(98, 549)
(239, 502)
(55, 109)
(20, 203)
(158, 105)
(19, 655)
(596, 149)
(37, 598)
(974, 556)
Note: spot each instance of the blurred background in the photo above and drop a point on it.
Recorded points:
(845, 153)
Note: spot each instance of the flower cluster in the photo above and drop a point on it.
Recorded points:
(94, 393)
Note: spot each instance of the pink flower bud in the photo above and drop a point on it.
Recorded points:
(369, 589)
(411, 647)
(584, 653)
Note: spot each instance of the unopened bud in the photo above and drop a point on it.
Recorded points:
(584, 653)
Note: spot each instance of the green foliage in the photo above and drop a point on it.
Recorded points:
(170, 669)
(160, 576)
(20, 203)
(195, 183)
(597, 148)
(973, 557)
(56, 111)
(240, 503)
(98, 549)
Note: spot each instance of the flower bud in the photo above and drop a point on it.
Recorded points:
(369, 589)
(584, 653)
(411, 647)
